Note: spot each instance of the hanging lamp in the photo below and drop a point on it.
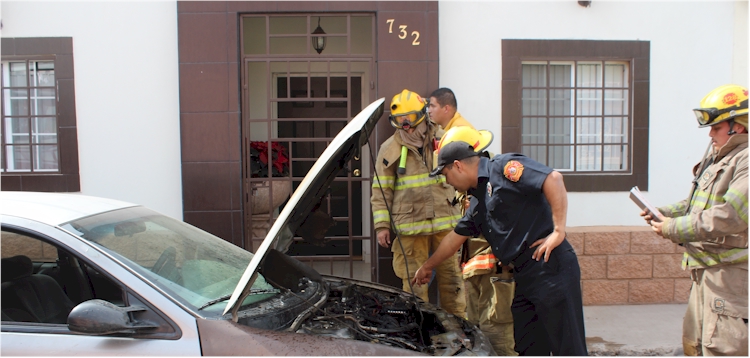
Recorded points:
(319, 42)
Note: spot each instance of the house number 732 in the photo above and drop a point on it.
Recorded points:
(402, 32)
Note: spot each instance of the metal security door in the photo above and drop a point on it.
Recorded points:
(299, 103)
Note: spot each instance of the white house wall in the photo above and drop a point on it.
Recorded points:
(127, 95)
(126, 78)
(695, 47)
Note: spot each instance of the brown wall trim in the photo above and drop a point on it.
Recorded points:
(61, 50)
(210, 96)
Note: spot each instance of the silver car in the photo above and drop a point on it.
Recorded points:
(91, 276)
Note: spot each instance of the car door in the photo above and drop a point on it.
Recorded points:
(173, 330)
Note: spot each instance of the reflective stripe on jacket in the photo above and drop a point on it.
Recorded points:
(480, 260)
(420, 204)
(484, 262)
(715, 231)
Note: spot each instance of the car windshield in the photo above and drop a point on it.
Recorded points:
(194, 267)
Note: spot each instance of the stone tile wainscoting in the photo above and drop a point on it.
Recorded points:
(628, 265)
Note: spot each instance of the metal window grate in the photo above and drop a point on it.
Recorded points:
(576, 115)
(29, 117)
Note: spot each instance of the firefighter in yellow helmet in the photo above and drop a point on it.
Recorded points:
(712, 226)
(489, 284)
(418, 208)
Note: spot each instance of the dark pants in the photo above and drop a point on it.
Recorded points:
(548, 308)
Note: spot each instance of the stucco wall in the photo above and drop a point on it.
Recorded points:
(687, 61)
(127, 82)
(126, 69)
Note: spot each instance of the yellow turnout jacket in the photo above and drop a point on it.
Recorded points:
(714, 231)
(420, 204)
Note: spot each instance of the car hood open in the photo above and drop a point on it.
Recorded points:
(308, 194)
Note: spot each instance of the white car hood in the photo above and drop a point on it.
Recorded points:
(309, 193)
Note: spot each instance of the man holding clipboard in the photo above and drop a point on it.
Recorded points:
(712, 225)
(637, 197)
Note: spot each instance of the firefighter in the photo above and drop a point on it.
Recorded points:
(489, 284)
(520, 206)
(712, 226)
(421, 207)
(443, 109)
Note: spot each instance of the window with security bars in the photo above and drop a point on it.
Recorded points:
(575, 115)
(29, 116)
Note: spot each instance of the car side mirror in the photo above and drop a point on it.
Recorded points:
(99, 317)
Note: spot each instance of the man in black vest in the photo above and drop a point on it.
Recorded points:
(520, 206)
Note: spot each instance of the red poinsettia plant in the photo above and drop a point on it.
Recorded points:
(259, 159)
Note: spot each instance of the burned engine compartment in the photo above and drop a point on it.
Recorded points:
(355, 312)
(350, 309)
(368, 314)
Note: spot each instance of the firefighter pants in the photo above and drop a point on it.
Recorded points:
(716, 320)
(450, 283)
(488, 306)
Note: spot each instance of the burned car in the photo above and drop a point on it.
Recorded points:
(84, 275)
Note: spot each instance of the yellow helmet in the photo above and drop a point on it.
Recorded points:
(722, 104)
(410, 105)
(460, 143)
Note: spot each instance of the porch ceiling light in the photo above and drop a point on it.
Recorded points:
(319, 42)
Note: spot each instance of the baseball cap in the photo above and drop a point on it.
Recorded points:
(451, 152)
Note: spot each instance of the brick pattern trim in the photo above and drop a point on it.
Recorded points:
(629, 265)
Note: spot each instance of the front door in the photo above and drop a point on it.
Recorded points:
(294, 102)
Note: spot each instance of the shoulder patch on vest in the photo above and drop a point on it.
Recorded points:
(513, 170)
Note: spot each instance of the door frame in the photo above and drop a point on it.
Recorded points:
(368, 93)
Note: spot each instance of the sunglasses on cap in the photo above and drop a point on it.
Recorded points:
(706, 116)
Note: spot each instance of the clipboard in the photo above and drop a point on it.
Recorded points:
(637, 197)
